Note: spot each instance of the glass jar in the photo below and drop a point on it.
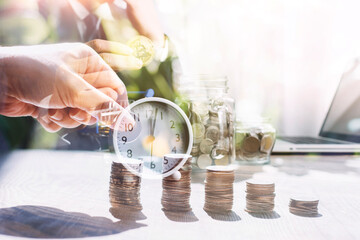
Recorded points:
(254, 141)
(211, 113)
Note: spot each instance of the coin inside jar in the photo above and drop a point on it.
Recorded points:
(222, 161)
(194, 117)
(206, 145)
(266, 143)
(218, 153)
(198, 130)
(251, 143)
(212, 133)
(201, 109)
(195, 150)
(204, 161)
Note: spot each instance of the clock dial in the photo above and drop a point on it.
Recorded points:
(160, 128)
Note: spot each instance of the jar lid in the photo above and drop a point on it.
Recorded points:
(253, 123)
(252, 120)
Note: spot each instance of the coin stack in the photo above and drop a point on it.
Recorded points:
(212, 125)
(176, 192)
(124, 190)
(260, 196)
(219, 188)
(304, 206)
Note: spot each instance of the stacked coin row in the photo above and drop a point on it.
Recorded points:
(259, 196)
(176, 192)
(124, 190)
(212, 126)
(219, 192)
(305, 207)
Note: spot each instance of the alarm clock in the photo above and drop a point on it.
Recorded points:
(159, 128)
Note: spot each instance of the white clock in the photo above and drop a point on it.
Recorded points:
(160, 128)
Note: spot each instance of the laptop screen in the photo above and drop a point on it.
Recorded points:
(343, 119)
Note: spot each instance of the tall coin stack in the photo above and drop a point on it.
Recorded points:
(304, 206)
(176, 192)
(219, 189)
(124, 190)
(260, 196)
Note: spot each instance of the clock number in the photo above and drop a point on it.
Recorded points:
(129, 153)
(124, 139)
(152, 165)
(129, 127)
(172, 124)
(138, 117)
(173, 150)
(178, 137)
(166, 161)
(149, 113)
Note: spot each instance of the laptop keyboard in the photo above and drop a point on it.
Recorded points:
(307, 140)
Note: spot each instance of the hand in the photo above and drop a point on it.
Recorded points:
(117, 55)
(144, 18)
(61, 85)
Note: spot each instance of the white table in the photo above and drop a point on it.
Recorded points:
(65, 195)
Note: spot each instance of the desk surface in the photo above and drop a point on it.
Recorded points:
(49, 194)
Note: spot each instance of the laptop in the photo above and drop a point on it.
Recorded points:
(340, 131)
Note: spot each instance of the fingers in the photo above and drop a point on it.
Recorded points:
(82, 117)
(107, 78)
(120, 63)
(48, 125)
(117, 55)
(103, 46)
(121, 99)
(106, 111)
(91, 99)
(68, 118)
(62, 118)
(12, 107)
(99, 74)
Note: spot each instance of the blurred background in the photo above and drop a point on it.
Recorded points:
(283, 58)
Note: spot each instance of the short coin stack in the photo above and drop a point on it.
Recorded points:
(304, 206)
(124, 190)
(260, 196)
(219, 192)
(176, 192)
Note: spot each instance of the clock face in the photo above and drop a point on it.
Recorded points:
(160, 128)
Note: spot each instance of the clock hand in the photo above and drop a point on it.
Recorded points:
(150, 125)
(154, 123)
(152, 129)
(151, 150)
